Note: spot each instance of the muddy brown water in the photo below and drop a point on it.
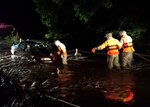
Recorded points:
(82, 83)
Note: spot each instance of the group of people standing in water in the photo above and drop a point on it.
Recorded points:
(113, 46)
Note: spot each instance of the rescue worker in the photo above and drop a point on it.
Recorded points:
(113, 45)
(127, 45)
(61, 51)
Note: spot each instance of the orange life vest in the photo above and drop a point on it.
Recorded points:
(112, 45)
(127, 46)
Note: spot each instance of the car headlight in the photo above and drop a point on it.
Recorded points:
(46, 60)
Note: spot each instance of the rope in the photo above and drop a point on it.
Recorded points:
(145, 65)
(142, 57)
(91, 52)
(71, 51)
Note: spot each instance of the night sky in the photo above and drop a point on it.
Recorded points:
(22, 15)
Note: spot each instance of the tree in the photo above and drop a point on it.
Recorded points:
(80, 19)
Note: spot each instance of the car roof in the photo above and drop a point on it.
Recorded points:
(33, 42)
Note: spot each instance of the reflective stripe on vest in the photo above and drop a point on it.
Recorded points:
(111, 47)
(126, 45)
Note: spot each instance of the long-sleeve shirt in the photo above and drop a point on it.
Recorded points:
(113, 45)
(127, 45)
(62, 49)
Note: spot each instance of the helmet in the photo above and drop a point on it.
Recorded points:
(108, 35)
(123, 33)
(57, 42)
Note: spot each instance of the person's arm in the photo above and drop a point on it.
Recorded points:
(59, 50)
(121, 41)
(119, 45)
(100, 47)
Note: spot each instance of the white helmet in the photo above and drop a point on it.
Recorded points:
(123, 33)
(57, 42)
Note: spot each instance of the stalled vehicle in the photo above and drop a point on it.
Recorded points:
(38, 50)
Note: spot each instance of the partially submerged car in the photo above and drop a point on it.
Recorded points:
(39, 50)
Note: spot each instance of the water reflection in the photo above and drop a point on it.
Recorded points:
(81, 83)
(119, 87)
(65, 83)
(114, 86)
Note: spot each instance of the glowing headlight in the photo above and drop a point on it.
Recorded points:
(45, 59)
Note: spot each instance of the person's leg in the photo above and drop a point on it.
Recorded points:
(116, 62)
(130, 58)
(110, 62)
(124, 60)
(64, 60)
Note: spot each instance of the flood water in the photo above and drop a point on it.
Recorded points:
(81, 83)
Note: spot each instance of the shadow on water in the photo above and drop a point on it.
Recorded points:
(79, 84)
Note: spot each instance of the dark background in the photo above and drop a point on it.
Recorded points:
(22, 15)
